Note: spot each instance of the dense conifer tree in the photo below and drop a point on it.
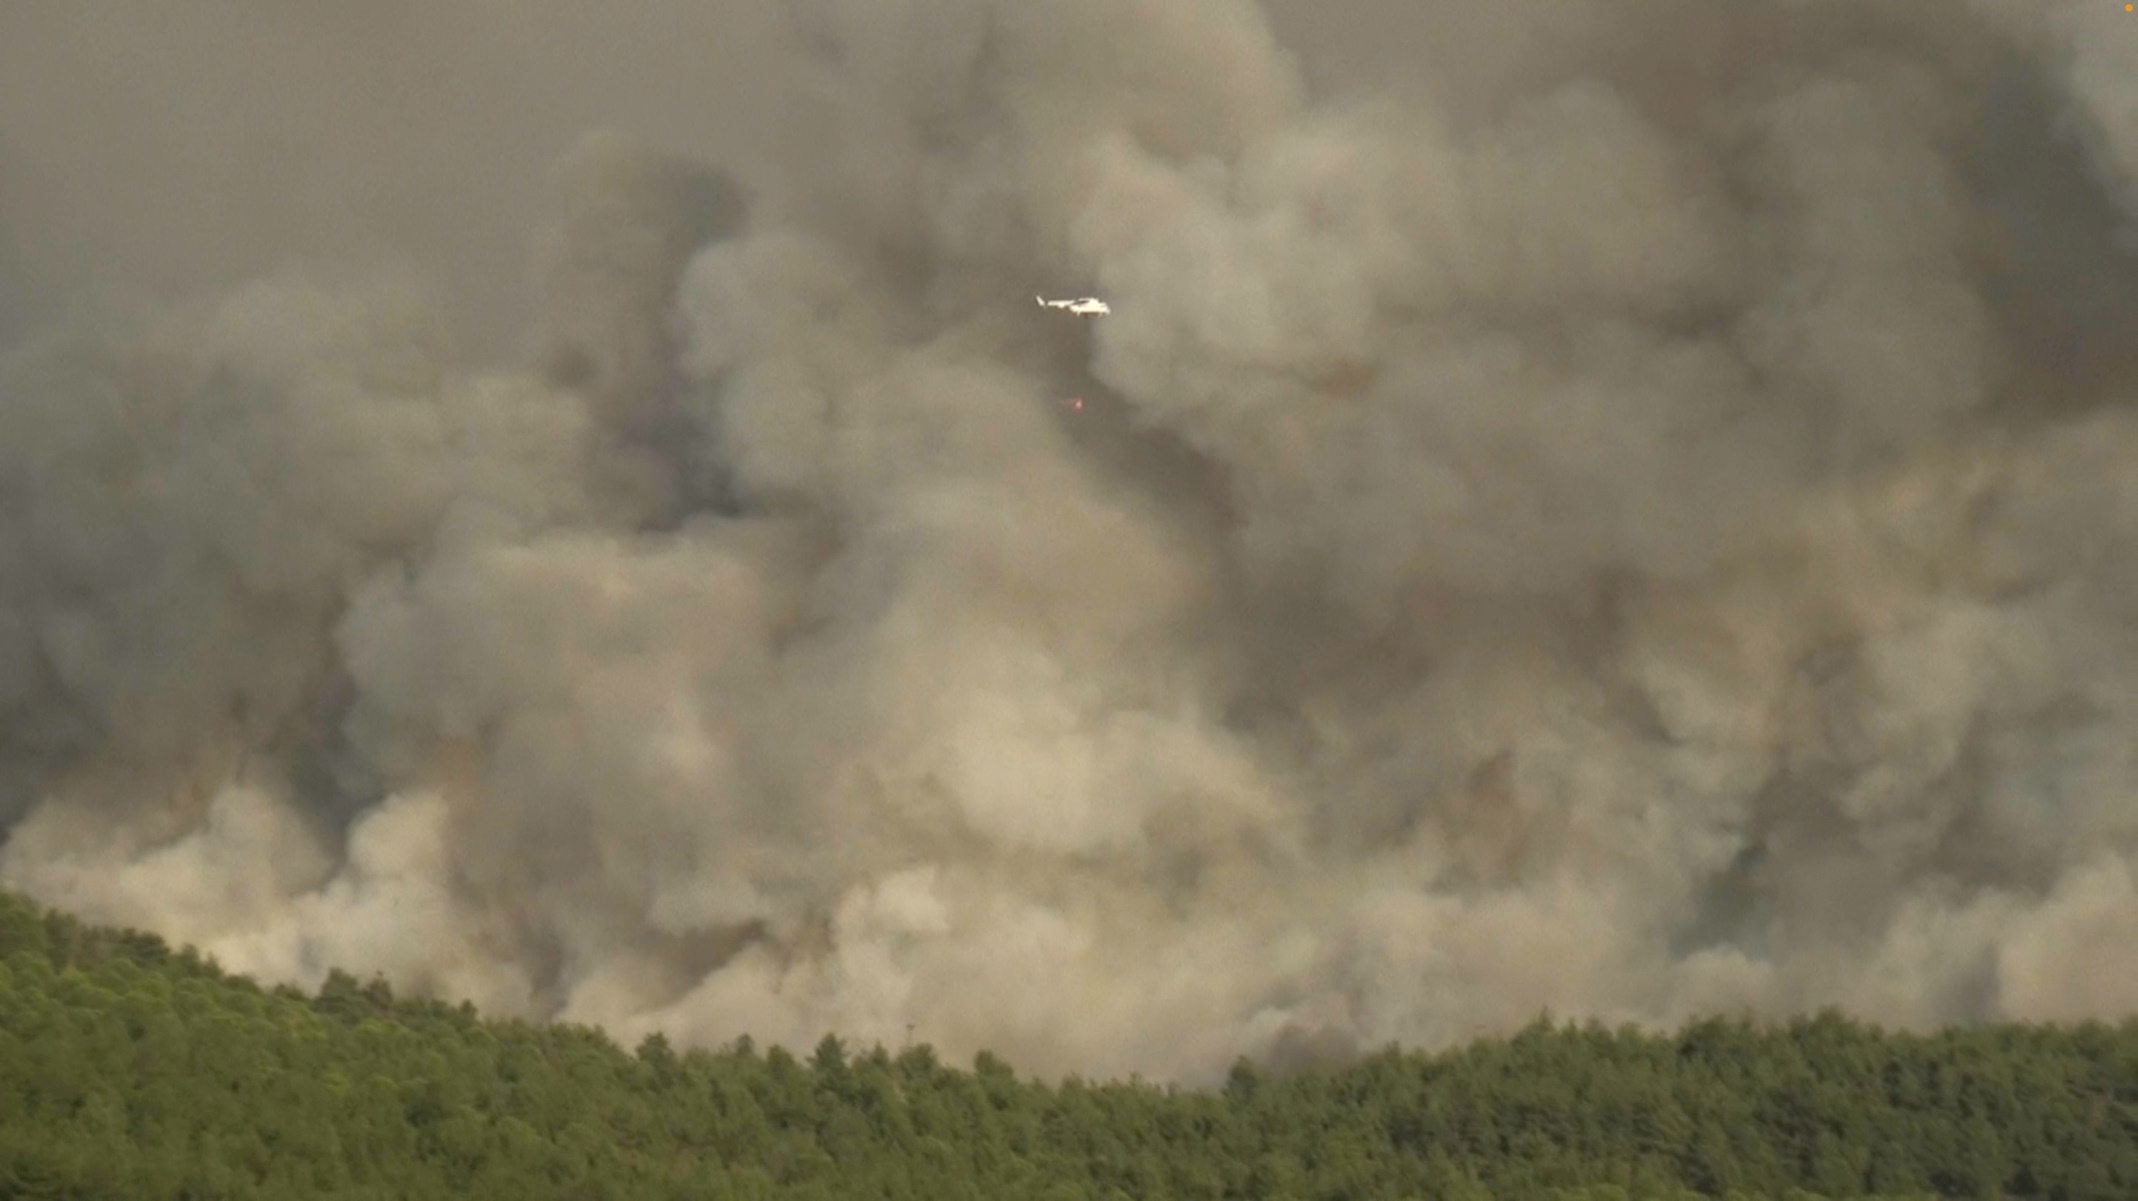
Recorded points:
(128, 1070)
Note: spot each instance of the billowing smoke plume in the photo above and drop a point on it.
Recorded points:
(1629, 508)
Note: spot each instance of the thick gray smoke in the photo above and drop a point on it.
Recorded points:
(1623, 507)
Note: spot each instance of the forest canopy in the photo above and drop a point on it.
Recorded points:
(128, 1069)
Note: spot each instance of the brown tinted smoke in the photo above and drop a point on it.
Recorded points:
(1629, 508)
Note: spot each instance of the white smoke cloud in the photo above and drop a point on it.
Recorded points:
(1554, 525)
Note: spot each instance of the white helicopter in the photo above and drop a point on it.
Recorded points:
(1088, 306)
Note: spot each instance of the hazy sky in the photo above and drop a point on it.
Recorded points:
(1623, 507)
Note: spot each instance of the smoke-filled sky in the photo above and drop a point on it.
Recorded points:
(1622, 506)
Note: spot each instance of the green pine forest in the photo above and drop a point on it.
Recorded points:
(128, 1070)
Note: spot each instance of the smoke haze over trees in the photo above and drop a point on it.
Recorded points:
(1628, 508)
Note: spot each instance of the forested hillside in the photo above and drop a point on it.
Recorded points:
(131, 1071)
